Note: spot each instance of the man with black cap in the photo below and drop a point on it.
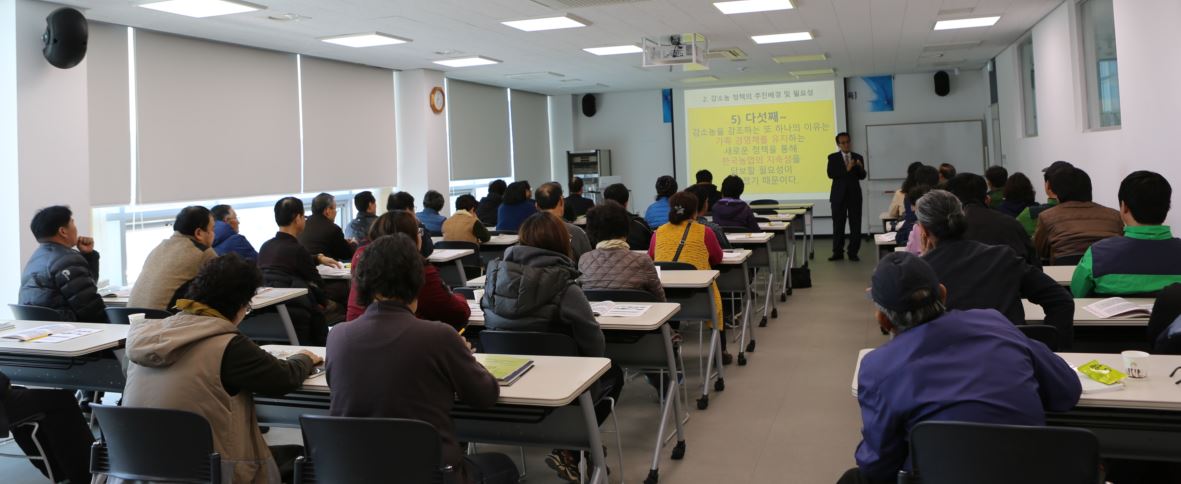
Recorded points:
(996, 374)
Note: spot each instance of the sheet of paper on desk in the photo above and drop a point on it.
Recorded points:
(66, 335)
(731, 256)
(474, 305)
(1118, 306)
(329, 271)
(611, 309)
(888, 237)
(114, 291)
(41, 332)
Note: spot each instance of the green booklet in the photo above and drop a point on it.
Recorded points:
(506, 369)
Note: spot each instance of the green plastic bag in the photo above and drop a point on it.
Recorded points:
(1101, 373)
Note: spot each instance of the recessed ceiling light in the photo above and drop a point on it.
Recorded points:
(777, 38)
(202, 8)
(966, 23)
(787, 59)
(548, 23)
(467, 61)
(748, 6)
(371, 39)
(813, 72)
(691, 80)
(614, 50)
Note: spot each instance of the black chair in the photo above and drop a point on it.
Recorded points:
(25, 312)
(153, 444)
(1040, 332)
(6, 438)
(471, 264)
(972, 453)
(123, 315)
(1070, 260)
(764, 201)
(342, 450)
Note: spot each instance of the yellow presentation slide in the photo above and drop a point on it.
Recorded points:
(777, 137)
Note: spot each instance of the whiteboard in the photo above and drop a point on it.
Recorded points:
(891, 147)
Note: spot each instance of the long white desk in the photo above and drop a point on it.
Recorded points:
(809, 217)
(760, 243)
(108, 336)
(82, 363)
(450, 264)
(1035, 315)
(265, 298)
(1060, 274)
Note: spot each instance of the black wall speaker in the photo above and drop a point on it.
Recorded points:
(942, 83)
(588, 105)
(65, 38)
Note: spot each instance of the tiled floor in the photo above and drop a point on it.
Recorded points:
(787, 417)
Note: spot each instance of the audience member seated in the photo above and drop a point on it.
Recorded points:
(436, 302)
(1065, 232)
(638, 232)
(705, 180)
(429, 217)
(731, 211)
(925, 178)
(986, 276)
(425, 366)
(405, 202)
(946, 172)
(1164, 325)
(59, 277)
(613, 265)
(226, 239)
(358, 229)
(534, 287)
(321, 235)
(576, 204)
(1147, 258)
(997, 375)
(517, 206)
(703, 208)
(1028, 216)
(489, 206)
(62, 431)
(1018, 196)
(176, 261)
(197, 361)
(287, 263)
(549, 199)
(897, 203)
(657, 213)
(463, 226)
(997, 176)
(986, 225)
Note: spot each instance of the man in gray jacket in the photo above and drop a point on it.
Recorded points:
(60, 274)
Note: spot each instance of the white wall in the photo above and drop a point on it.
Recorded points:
(561, 131)
(1147, 69)
(422, 137)
(631, 125)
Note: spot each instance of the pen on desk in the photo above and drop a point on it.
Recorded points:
(461, 330)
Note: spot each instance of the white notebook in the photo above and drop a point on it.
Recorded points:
(1118, 306)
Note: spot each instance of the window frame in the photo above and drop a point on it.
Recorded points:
(1093, 84)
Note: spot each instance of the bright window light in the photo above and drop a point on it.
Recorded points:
(467, 61)
(202, 8)
(548, 23)
(615, 50)
(966, 23)
(777, 38)
(371, 39)
(749, 6)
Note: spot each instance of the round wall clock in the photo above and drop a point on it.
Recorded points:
(438, 99)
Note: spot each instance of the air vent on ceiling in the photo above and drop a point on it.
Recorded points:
(534, 76)
(952, 12)
(951, 46)
(731, 53)
(565, 4)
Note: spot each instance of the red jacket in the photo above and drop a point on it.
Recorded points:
(436, 302)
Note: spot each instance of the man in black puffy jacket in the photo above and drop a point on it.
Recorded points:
(59, 277)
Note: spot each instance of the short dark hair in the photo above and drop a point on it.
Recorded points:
(548, 195)
(618, 193)
(433, 200)
(576, 185)
(910, 169)
(968, 187)
(997, 176)
(287, 209)
(362, 200)
(48, 220)
(390, 267)
(925, 178)
(666, 186)
(947, 171)
(466, 202)
(1071, 184)
(1019, 188)
(705, 176)
(845, 134)
(394, 222)
(516, 192)
(322, 202)
(191, 218)
(702, 194)
(733, 186)
(497, 187)
(1148, 196)
(400, 201)
(606, 221)
(545, 231)
(226, 283)
(682, 206)
(220, 212)
(1048, 171)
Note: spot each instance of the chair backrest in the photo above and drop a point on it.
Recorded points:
(343, 450)
(675, 266)
(972, 453)
(123, 315)
(267, 326)
(154, 444)
(26, 312)
(764, 201)
(527, 343)
(1040, 332)
(619, 295)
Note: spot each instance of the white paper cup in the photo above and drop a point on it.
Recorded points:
(1135, 364)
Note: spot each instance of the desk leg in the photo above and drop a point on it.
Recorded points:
(747, 329)
(715, 349)
(673, 402)
(287, 325)
(459, 272)
(770, 288)
(810, 235)
(596, 442)
(790, 255)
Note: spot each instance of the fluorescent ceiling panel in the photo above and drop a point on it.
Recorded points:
(202, 8)
(467, 61)
(548, 23)
(749, 6)
(777, 38)
(614, 50)
(966, 23)
(371, 39)
(787, 59)
(813, 72)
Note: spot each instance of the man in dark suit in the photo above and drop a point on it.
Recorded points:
(846, 169)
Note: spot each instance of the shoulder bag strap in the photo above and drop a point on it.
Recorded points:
(681, 245)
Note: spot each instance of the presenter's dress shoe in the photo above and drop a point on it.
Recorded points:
(854, 258)
(837, 257)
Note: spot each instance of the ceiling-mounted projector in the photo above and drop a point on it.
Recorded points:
(676, 49)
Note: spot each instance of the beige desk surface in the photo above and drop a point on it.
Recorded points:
(781, 217)
(554, 381)
(786, 205)
(503, 239)
(476, 282)
(1082, 317)
(687, 279)
(730, 257)
(267, 296)
(749, 238)
(108, 336)
(1060, 274)
(773, 226)
(448, 255)
(651, 320)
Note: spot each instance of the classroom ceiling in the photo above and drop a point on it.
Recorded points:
(860, 37)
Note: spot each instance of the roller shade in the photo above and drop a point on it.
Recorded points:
(109, 115)
(531, 153)
(478, 130)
